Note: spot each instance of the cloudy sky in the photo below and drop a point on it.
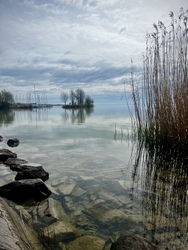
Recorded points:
(59, 45)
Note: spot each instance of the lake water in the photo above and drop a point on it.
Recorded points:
(103, 182)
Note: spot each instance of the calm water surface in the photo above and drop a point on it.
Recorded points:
(104, 183)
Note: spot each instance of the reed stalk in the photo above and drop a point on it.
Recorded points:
(161, 105)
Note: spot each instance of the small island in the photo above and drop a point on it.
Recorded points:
(78, 99)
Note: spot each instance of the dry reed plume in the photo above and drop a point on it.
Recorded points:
(161, 106)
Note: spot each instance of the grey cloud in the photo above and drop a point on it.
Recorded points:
(59, 75)
(63, 42)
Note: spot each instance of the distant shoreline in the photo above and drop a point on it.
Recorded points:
(30, 106)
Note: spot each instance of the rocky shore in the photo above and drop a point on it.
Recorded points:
(34, 216)
(14, 233)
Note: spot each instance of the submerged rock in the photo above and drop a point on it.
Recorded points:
(24, 190)
(5, 154)
(1, 138)
(78, 192)
(132, 242)
(49, 211)
(24, 214)
(101, 211)
(13, 142)
(87, 242)
(66, 189)
(59, 231)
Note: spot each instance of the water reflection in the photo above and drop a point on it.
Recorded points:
(6, 117)
(163, 180)
(32, 115)
(87, 174)
(77, 115)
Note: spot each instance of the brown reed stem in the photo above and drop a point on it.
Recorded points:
(161, 106)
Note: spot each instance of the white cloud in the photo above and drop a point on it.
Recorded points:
(71, 43)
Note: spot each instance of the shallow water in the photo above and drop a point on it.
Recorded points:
(104, 183)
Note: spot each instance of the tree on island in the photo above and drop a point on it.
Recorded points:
(77, 99)
(72, 97)
(88, 101)
(6, 99)
(80, 96)
(64, 97)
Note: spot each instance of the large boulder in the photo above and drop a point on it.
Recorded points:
(30, 171)
(24, 190)
(132, 242)
(5, 154)
(13, 142)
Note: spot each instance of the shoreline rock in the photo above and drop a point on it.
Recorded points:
(5, 154)
(28, 171)
(24, 190)
(13, 163)
(13, 234)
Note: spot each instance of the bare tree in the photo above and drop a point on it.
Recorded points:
(64, 97)
(72, 97)
(80, 96)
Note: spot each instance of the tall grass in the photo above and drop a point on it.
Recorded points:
(161, 106)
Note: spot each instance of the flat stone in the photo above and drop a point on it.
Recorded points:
(110, 198)
(114, 187)
(133, 242)
(78, 192)
(48, 212)
(94, 203)
(59, 230)
(87, 178)
(87, 181)
(58, 181)
(87, 243)
(111, 215)
(66, 189)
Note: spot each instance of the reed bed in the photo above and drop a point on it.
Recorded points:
(161, 104)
